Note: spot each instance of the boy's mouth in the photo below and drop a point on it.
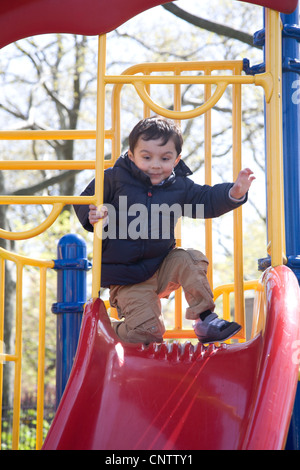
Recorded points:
(156, 178)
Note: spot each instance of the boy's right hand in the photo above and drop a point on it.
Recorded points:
(242, 184)
(95, 215)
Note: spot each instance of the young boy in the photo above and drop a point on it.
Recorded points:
(141, 264)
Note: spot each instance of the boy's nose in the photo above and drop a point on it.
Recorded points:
(156, 164)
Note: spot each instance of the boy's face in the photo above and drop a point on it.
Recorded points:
(155, 160)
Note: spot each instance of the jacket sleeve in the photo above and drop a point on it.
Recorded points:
(215, 199)
(82, 210)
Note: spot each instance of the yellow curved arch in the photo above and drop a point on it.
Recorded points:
(145, 97)
(25, 260)
(56, 210)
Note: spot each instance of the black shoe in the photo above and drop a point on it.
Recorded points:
(213, 329)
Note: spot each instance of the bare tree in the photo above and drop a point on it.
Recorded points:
(49, 93)
(212, 26)
(63, 95)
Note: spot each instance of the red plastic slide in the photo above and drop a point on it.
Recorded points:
(178, 397)
(22, 18)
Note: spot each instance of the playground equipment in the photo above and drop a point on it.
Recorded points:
(227, 397)
(241, 406)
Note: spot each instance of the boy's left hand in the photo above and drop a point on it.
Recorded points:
(242, 184)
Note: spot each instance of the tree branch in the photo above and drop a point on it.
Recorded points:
(211, 26)
(63, 176)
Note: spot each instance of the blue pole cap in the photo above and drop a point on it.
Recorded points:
(71, 246)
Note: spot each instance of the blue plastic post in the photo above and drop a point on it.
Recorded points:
(291, 164)
(291, 136)
(72, 266)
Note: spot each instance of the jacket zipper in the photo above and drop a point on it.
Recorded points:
(148, 205)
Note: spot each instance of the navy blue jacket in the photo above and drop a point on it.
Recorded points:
(130, 260)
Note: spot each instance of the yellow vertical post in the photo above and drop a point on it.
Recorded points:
(239, 303)
(178, 292)
(274, 138)
(208, 179)
(41, 360)
(2, 290)
(116, 122)
(147, 110)
(99, 171)
(18, 360)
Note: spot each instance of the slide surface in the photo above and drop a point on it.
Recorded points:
(179, 396)
(88, 17)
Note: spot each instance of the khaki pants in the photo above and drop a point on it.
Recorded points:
(139, 304)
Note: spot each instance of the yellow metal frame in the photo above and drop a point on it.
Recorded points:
(142, 74)
(224, 291)
(141, 78)
(21, 262)
(142, 85)
(276, 227)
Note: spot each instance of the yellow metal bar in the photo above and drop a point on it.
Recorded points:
(185, 79)
(18, 361)
(208, 180)
(41, 360)
(178, 309)
(274, 139)
(147, 68)
(224, 291)
(5, 200)
(177, 93)
(9, 358)
(116, 121)
(178, 292)
(52, 165)
(20, 262)
(59, 134)
(35, 231)
(239, 302)
(24, 260)
(177, 115)
(2, 291)
(99, 173)
(147, 110)
(48, 135)
(248, 285)
(47, 165)
(264, 80)
(259, 311)
(179, 334)
(226, 305)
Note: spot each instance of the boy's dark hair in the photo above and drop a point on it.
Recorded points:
(154, 128)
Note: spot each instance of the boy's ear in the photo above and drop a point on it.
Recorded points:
(130, 155)
(177, 160)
